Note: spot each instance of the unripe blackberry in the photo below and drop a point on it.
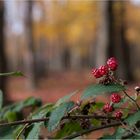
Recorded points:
(96, 73)
(115, 98)
(85, 123)
(118, 114)
(112, 63)
(103, 70)
(108, 108)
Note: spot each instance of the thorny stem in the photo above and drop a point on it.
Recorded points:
(131, 99)
(47, 118)
(92, 129)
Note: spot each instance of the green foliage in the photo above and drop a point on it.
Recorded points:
(68, 129)
(10, 113)
(99, 89)
(44, 110)
(17, 107)
(96, 106)
(6, 132)
(96, 122)
(10, 116)
(34, 132)
(58, 113)
(132, 119)
(65, 98)
(136, 137)
(16, 131)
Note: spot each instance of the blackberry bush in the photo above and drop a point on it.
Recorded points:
(68, 119)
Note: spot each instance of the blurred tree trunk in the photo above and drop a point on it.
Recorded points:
(118, 45)
(102, 36)
(31, 47)
(3, 64)
(66, 57)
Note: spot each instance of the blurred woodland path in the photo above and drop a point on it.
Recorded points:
(56, 86)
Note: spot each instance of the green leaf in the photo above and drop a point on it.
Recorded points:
(31, 101)
(68, 129)
(125, 113)
(10, 116)
(34, 133)
(18, 130)
(6, 132)
(96, 122)
(135, 137)
(17, 73)
(96, 106)
(99, 105)
(43, 110)
(98, 89)
(65, 98)
(1, 99)
(132, 119)
(17, 107)
(57, 114)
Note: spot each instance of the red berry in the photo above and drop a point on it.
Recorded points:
(108, 108)
(115, 98)
(118, 114)
(112, 63)
(96, 73)
(103, 70)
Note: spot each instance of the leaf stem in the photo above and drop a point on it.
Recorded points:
(131, 99)
(21, 131)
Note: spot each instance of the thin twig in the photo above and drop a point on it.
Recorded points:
(47, 118)
(131, 99)
(130, 134)
(21, 131)
(24, 122)
(127, 95)
(127, 128)
(92, 129)
(135, 127)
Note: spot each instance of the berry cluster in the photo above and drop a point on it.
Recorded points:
(111, 65)
(108, 107)
(106, 72)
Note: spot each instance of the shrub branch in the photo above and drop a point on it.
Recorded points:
(131, 99)
(47, 118)
(92, 129)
